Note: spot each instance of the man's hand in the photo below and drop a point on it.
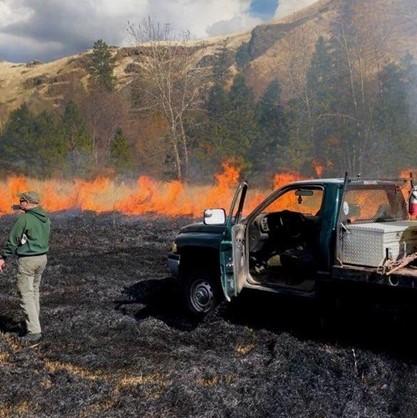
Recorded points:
(2, 264)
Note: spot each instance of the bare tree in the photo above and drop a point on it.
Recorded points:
(170, 81)
(297, 48)
(363, 46)
(105, 112)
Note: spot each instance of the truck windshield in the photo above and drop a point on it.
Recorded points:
(373, 204)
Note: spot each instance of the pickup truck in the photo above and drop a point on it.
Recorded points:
(303, 239)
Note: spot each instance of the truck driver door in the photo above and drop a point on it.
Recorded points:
(232, 247)
(284, 238)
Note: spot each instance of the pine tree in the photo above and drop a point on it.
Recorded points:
(321, 85)
(393, 121)
(223, 60)
(409, 65)
(312, 127)
(50, 157)
(353, 109)
(16, 142)
(270, 114)
(208, 133)
(33, 145)
(101, 66)
(240, 123)
(121, 153)
(320, 78)
(79, 142)
(268, 151)
(299, 153)
(243, 56)
(230, 128)
(218, 104)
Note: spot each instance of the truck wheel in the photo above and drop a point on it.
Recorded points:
(201, 293)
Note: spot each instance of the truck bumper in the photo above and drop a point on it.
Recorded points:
(174, 264)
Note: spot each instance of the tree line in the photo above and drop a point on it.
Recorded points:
(83, 139)
(350, 114)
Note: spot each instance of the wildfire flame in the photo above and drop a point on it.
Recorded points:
(147, 195)
(144, 196)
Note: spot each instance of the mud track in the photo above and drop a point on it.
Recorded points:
(117, 343)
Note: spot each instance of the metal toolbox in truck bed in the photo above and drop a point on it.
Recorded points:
(368, 244)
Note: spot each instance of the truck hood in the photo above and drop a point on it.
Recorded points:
(201, 227)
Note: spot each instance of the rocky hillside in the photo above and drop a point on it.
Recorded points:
(280, 49)
(386, 31)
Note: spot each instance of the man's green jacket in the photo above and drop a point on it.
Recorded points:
(29, 235)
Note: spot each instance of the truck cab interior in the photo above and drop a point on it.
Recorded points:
(284, 239)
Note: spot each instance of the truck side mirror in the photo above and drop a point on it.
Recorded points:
(214, 217)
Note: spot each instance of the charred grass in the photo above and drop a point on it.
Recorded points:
(118, 344)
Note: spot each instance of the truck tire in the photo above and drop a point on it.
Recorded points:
(201, 292)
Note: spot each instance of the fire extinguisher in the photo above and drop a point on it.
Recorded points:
(412, 201)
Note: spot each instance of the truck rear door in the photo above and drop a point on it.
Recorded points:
(232, 247)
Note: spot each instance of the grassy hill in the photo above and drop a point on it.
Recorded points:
(280, 49)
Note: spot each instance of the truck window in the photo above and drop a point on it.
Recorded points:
(373, 205)
(307, 201)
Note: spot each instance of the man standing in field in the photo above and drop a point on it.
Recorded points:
(29, 241)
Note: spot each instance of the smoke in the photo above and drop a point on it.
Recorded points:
(412, 97)
(287, 7)
(236, 24)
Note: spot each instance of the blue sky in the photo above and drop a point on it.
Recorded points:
(50, 29)
(265, 9)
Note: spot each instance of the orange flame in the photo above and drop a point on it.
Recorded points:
(146, 195)
(281, 179)
(318, 168)
(10, 191)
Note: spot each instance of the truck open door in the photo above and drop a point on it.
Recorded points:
(232, 246)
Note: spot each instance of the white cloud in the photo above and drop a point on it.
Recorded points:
(199, 16)
(236, 24)
(123, 8)
(13, 11)
(75, 25)
(287, 7)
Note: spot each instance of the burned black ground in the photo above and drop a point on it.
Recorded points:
(118, 344)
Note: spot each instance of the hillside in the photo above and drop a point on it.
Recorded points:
(280, 49)
(283, 48)
(45, 85)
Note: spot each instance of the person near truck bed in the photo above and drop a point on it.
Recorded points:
(29, 241)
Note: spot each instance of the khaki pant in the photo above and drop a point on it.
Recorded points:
(29, 274)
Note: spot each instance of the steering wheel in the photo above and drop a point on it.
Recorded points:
(286, 224)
